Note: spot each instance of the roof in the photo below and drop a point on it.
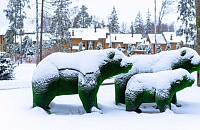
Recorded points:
(168, 35)
(125, 38)
(89, 33)
(159, 37)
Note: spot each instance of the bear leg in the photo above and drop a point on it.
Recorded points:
(163, 104)
(174, 101)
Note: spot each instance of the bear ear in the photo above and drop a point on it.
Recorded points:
(111, 55)
(183, 52)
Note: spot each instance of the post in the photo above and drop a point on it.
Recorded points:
(197, 4)
(155, 24)
(41, 30)
(37, 31)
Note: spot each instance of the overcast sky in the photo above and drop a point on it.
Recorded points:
(126, 9)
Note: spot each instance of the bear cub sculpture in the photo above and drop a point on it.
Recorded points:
(157, 87)
(185, 58)
(76, 73)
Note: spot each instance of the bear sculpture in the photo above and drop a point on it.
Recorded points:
(156, 87)
(186, 58)
(76, 73)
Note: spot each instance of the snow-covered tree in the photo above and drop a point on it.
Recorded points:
(60, 24)
(9, 36)
(168, 47)
(82, 19)
(178, 46)
(129, 49)
(139, 46)
(90, 46)
(139, 24)
(149, 28)
(186, 9)
(6, 68)
(113, 22)
(123, 28)
(149, 49)
(99, 46)
(28, 47)
(158, 48)
(80, 46)
(119, 47)
(132, 30)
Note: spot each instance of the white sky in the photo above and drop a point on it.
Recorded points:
(126, 10)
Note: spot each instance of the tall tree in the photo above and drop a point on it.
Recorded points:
(113, 22)
(149, 27)
(60, 25)
(123, 29)
(139, 24)
(197, 5)
(82, 19)
(15, 14)
(186, 9)
(132, 29)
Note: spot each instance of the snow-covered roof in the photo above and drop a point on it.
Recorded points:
(3, 30)
(159, 38)
(169, 35)
(125, 38)
(89, 33)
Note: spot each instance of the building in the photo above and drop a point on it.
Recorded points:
(2, 41)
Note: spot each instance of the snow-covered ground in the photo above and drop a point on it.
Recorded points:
(16, 112)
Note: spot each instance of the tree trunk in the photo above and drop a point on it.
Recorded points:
(197, 4)
(41, 30)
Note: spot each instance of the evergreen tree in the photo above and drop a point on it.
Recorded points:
(178, 46)
(83, 19)
(9, 36)
(113, 22)
(186, 9)
(168, 47)
(132, 28)
(99, 46)
(158, 48)
(60, 25)
(139, 46)
(90, 47)
(149, 49)
(129, 49)
(149, 25)
(28, 47)
(6, 68)
(80, 46)
(139, 25)
(119, 47)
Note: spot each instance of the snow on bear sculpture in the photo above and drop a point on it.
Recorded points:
(156, 87)
(186, 58)
(76, 73)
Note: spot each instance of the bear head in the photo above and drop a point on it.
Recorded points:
(115, 63)
(188, 59)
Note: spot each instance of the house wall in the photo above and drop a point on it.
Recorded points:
(2, 43)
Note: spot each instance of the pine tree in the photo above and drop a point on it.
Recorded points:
(178, 46)
(139, 46)
(132, 28)
(6, 68)
(80, 46)
(186, 9)
(168, 47)
(83, 19)
(129, 49)
(119, 47)
(99, 46)
(90, 47)
(149, 25)
(139, 25)
(9, 36)
(113, 22)
(149, 49)
(60, 25)
(28, 47)
(158, 48)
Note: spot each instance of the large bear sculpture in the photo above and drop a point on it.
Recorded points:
(76, 73)
(156, 87)
(186, 58)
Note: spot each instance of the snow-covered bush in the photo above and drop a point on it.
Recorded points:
(80, 46)
(149, 49)
(90, 46)
(99, 46)
(6, 68)
(158, 48)
(168, 47)
(157, 87)
(129, 50)
(186, 58)
(76, 73)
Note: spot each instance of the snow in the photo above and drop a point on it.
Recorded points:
(162, 61)
(154, 82)
(67, 111)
